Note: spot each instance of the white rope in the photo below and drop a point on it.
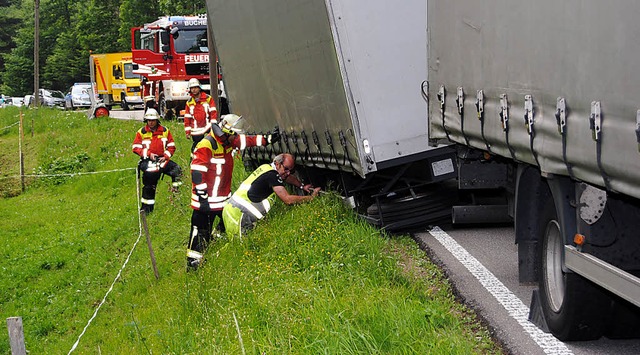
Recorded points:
(119, 272)
(1, 129)
(67, 174)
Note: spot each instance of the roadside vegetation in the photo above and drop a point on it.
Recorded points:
(69, 31)
(310, 279)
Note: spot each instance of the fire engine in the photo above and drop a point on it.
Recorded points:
(168, 52)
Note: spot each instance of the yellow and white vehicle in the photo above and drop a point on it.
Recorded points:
(115, 81)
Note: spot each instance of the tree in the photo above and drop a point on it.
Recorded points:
(135, 13)
(97, 27)
(11, 21)
(68, 63)
(57, 52)
(17, 77)
(183, 7)
(70, 30)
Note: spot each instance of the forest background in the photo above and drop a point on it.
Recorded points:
(69, 31)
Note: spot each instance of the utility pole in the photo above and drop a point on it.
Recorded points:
(36, 56)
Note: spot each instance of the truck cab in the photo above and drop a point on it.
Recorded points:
(169, 52)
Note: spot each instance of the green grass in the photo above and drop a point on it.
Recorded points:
(309, 279)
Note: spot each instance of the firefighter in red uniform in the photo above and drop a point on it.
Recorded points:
(155, 146)
(200, 113)
(147, 89)
(211, 172)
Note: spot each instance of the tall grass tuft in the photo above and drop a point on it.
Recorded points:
(309, 279)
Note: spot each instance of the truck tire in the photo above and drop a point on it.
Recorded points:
(431, 206)
(165, 112)
(573, 307)
(123, 103)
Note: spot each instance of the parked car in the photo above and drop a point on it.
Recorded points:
(78, 96)
(17, 101)
(28, 100)
(51, 98)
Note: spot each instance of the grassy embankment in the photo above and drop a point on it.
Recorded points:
(310, 279)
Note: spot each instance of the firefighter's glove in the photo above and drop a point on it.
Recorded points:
(274, 136)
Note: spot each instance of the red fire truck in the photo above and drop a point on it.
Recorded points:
(168, 52)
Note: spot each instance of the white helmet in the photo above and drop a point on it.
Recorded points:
(193, 83)
(151, 114)
(229, 123)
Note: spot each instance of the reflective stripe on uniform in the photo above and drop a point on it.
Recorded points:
(216, 184)
(147, 201)
(243, 141)
(199, 167)
(247, 206)
(196, 131)
(214, 199)
(218, 205)
(194, 254)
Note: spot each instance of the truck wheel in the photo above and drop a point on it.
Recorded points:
(123, 103)
(165, 111)
(573, 307)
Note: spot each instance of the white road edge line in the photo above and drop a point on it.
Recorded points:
(517, 310)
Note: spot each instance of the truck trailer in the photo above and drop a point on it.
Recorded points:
(114, 79)
(532, 105)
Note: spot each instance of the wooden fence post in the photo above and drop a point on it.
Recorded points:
(16, 336)
(21, 139)
(143, 216)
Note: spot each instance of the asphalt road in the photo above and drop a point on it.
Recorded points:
(482, 264)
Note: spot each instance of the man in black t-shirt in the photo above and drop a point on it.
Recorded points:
(254, 197)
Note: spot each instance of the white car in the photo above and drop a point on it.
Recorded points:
(78, 96)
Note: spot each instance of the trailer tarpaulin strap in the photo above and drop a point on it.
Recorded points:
(294, 139)
(480, 112)
(561, 120)
(316, 142)
(286, 140)
(441, 97)
(327, 135)
(529, 122)
(460, 106)
(504, 118)
(343, 142)
(307, 150)
(595, 123)
(302, 156)
(638, 129)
